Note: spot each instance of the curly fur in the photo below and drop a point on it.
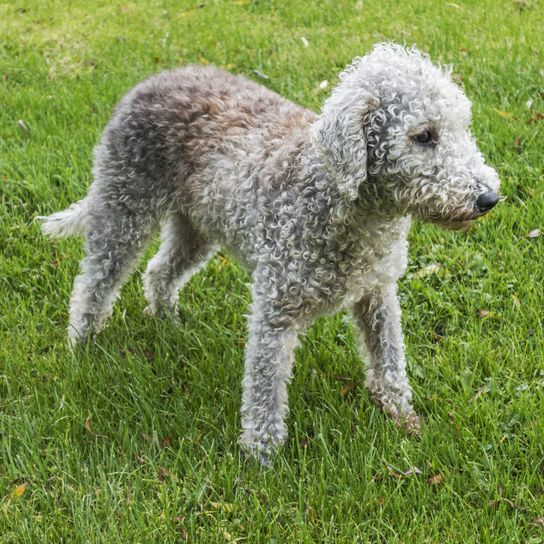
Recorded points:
(317, 207)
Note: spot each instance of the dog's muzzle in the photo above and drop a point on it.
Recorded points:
(487, 201)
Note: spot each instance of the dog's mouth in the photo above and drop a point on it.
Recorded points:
(460, 223)
(463, 218)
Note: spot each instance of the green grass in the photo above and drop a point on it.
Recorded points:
(135, 440)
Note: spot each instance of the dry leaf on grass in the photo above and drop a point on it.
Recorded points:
(435, 479)
(535, 233)
(451, 417)
(505, 114)
(494, 503)
(91, 432)
(486, 314)
(260, 74)
(163, 474)
(427, 270)
(348, 389)
(224, 506)
(412, 471)
(226, 535)
(19, 490)
(484, 389)
(537, 117)
(22, 125)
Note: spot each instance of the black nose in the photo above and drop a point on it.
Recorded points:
(487, 201)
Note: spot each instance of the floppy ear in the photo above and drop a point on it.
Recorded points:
(341, 138)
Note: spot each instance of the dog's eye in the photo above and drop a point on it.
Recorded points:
(425, 138)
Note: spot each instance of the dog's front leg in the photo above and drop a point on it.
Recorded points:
(377, 316)
(268, 366)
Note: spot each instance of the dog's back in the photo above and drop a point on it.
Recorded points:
(168, 125)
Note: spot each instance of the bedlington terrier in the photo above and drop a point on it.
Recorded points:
(317, 207)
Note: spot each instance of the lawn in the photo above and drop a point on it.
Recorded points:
(135, 438)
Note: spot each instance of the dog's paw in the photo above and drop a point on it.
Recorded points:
(409, 423)
(258, 453)
(167, 313)
(261, 451)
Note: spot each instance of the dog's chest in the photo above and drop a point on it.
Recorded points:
(380, 260)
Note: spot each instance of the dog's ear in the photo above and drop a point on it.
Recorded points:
(341, 138)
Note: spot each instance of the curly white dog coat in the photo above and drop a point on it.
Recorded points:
(317, 207)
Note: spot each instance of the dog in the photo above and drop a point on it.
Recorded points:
(316, 206)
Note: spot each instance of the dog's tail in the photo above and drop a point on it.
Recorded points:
(68, 222)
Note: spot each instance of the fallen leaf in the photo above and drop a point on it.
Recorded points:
(413, 471)
(505, 114)
(347, 389)
(88, 428)
(509, 502)
(146, 437)
(538, 522)
(535, 233)
(454, 423)
(226, 535)
(224, 506)
(260, 74)
(22, 125)
(427, 270)
(486, 314)
(484, 389)
(19, 490)
(435, 479)
(536, 117)
(167, 441)
(163, 474)
(223, 262)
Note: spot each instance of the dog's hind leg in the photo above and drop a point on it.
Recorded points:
(183, 251)
(115, 237)
(377, 316)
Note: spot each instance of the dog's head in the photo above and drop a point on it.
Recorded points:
(394, 135)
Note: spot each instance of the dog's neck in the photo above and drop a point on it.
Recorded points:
(353, 224)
